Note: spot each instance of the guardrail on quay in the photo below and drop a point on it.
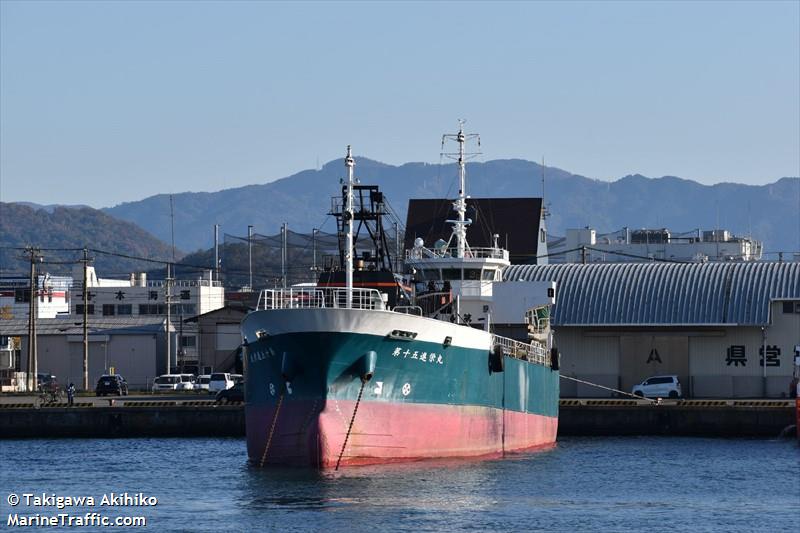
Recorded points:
(577, 417)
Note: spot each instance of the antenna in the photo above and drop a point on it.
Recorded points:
(542, 180)
(250, 256)
(545, 214)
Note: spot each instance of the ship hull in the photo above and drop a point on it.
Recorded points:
(432, 396)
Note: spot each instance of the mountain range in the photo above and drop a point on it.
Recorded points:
(767, 212)
(63, 231)
(770, 213)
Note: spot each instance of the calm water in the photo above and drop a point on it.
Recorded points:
(585, 484)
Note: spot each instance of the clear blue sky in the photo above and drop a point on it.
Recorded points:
(104, 102)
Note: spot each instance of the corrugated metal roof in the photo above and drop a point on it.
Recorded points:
(131, 325)
(664, 293)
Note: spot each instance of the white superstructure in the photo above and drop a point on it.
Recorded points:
(451, 277)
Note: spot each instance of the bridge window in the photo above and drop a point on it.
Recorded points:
(451, 274)
(431, 274)
(472, 273)
(488, 274)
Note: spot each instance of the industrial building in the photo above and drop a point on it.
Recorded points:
(715, 325)
(220, 338)
(586, 245)
(134, 347)
(53, 296)
(125, 317)
(137, 296)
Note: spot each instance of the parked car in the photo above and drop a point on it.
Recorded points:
(201, 383)
(237, 378)
(659, 387)
(219, 381)
(234, 394)
(167, 382)
(111, 384)
(187, 382)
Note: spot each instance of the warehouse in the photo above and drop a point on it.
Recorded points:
(133, 346)
(711, 324)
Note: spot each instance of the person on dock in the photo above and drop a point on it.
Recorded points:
(70, 394)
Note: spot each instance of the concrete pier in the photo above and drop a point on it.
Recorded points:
(701, 418)
(697, 418)
(129, 421)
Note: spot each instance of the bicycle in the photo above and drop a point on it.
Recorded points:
(49, 396)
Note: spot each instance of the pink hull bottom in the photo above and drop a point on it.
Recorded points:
(308, 433)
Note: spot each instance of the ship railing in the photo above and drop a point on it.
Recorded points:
(470, 253)
(533, 351)
(409, 309)
(319, 298)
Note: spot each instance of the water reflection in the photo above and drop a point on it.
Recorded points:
(631, 484)
(449, 485)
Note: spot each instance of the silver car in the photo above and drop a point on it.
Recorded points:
(659, 387)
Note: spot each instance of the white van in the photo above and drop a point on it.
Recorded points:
(201, 384)
(187, 382)
(167, 382)
(219, 381)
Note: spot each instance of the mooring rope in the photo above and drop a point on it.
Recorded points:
(350, 428)
(607, 388)
(271, 430)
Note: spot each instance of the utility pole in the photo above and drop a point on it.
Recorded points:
(168, 296)
(216, 252)
(314, 232)
(85, 262)
(250, 256)
(33, 359)
(180, 343)
(396, 248)
(284, 251)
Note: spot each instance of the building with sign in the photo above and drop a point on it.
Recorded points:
(728, 330)
(138, 297)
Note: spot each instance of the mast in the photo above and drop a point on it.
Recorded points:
(348, 220)
(460, 205)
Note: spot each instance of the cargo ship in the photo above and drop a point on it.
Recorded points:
(370, 366)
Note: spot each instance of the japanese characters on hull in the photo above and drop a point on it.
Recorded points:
(422, 357)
